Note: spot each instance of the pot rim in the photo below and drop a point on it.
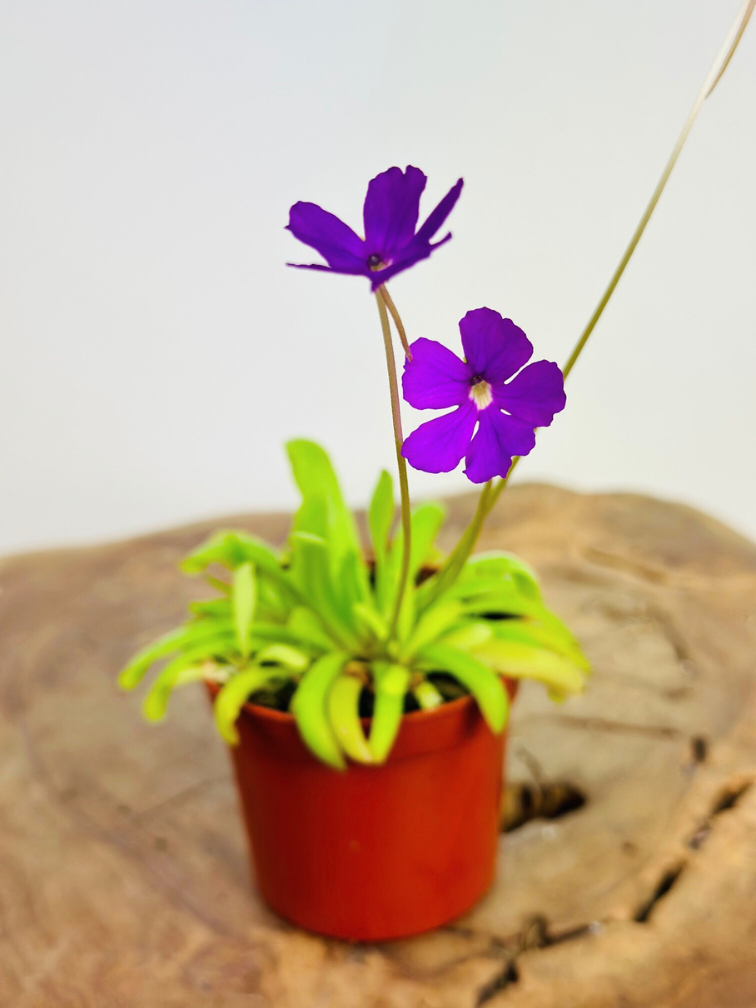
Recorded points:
(282, 717)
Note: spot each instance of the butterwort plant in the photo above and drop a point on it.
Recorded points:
(376, 647)
(349, 638)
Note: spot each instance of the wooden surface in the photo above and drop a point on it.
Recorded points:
(123, 873)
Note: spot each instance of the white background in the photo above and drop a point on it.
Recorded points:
(156, 352)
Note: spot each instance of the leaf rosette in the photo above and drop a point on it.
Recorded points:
(314, 623)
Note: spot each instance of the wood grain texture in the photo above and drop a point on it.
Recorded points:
(123, 871)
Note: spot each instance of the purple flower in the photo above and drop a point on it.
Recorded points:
(506, 412)
(390, 214)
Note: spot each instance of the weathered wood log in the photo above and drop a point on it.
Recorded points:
(123, 871)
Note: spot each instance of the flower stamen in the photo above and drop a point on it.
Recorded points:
(480, 392)
(377, 262)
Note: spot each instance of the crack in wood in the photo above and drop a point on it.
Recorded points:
(604, 724)
(675, 639)
(727, 799)
(535, 935)
(525, 802)
(508, 975)
(699, 749)
(628, 565)
(663, 887)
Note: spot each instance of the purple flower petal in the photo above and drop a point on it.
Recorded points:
(315, 266)
(391, 208)
(437, 217)
(498, 438)
(438, 445)
(342, 249)
(495, 347)
(435, 378)
(534, 395)
(420, 247)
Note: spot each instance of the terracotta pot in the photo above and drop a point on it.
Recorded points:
(375, 852)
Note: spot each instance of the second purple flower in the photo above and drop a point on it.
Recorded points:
(505, 409)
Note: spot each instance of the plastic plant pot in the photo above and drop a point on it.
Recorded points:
(374, 852)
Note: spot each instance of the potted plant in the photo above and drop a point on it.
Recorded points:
(364, 688)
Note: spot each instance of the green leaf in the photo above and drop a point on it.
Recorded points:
(316, 478)
(312, 572)
(351, 582)
(427, 695)
(343, 714)
(484, 684)
(541, 635)
(391, 682)
(505, 602)
(272, 600)
(282, 654)
(157, 699)
(135, 671)
(311, 520)
(569, 643)
(264, 633)
(503, 565)
(372, 621)
(425, 523)
(306, 627)
(232, 697)
(494, 572)
(243, 603)
(470, 634)
(521, 661)
(380, 517)
(190, 636)
(217, 608)
(432, 624)
(309, 708)
(201, 673)
(324, 514)
(232, 549)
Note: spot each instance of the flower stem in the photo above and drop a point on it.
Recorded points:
(383, 291)
(712, 78)
(490, 493)
(456, 560)
(400, 461)
(496, 492)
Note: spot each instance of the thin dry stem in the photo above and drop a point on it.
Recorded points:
(383, 291)
(401, 462)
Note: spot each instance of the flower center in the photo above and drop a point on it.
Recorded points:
(377, 262)
(480, 392)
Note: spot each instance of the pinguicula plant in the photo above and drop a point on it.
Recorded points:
(336, 631)
(351, 634)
